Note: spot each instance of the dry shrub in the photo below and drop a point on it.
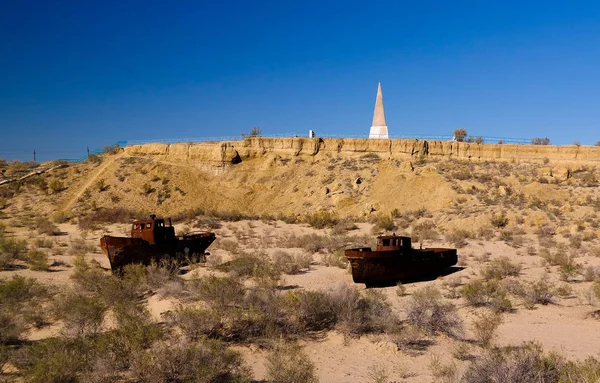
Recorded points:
(290, 263)
(484, 327)
(230, 246)
(321, 219)
(81, 315)
(53, 360)
(251, 265)
(529, 363)
(208, 361)
(195, 322)
(540, 292)
(428, 311)
(499, 220)
(336, 259)
(501, 268)
(445, 373)
(458, 237)
(11, 250)
(44, 226)
(488, 293)
(287, 363)
(37, 260)
(315, 310)
(410, 338)
(383, 223)
(358, 314)
(20, 300)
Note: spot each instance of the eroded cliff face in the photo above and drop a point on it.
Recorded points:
(219, 153)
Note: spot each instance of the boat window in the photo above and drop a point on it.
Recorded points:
(148, 226)
(386, 242)
(134, 226)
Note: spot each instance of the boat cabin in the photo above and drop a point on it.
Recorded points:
(153, 230)
(393, 242)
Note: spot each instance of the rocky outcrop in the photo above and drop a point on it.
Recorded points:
(231, 152)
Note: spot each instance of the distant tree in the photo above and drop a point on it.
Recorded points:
(577, 143)
(470, 139)
(598, 143)
(460, 134)
(500, 142)
(479, 140)
(255, 132)
(540, 141)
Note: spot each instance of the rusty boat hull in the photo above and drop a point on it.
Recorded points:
(377, 267)
(123, 251)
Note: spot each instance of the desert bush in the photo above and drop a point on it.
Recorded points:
(11, 250)
(11, 327)
(101, 185)
(337, 259)
(486, 293)
(53, 360)
(291, 263)
(80, 314)
(383, 223)
(289, 364)
(444, 373)
(359, 314)
(208, 361)
(43, 243)
(540, 141)
(540, 291)
(529, 363)
(429, 312)
(195, 322)
(484, 327)
(590, 274)
(56, 186)
(321, 219)
(596, 288)
(220, 293)
(37, 260)
(460, 134)
(569, 269)
(458, 237)
(252, 265)
(501, 268)
(499, 220)
(315, 310)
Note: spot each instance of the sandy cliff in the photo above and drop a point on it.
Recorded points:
(237, 151)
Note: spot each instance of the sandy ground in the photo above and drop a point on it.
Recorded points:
(564, 326)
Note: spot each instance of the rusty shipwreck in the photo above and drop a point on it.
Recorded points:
(152, 240)
(395, 260)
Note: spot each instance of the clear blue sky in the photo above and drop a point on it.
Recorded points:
(89, 73)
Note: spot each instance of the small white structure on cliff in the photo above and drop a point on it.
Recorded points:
(379, 128)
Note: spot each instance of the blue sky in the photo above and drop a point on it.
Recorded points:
(75, 74)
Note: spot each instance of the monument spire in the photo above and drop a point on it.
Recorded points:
(379, 128)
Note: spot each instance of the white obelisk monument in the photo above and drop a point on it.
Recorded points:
(379, 128)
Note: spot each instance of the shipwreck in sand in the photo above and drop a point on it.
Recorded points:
(152, 240)
(395, 260)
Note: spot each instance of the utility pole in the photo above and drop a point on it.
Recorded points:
(34, 160)
(88, 150)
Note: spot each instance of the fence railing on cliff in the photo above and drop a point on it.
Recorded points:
(487, 140)
(122, 144)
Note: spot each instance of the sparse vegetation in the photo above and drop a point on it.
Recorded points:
(429, 312)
